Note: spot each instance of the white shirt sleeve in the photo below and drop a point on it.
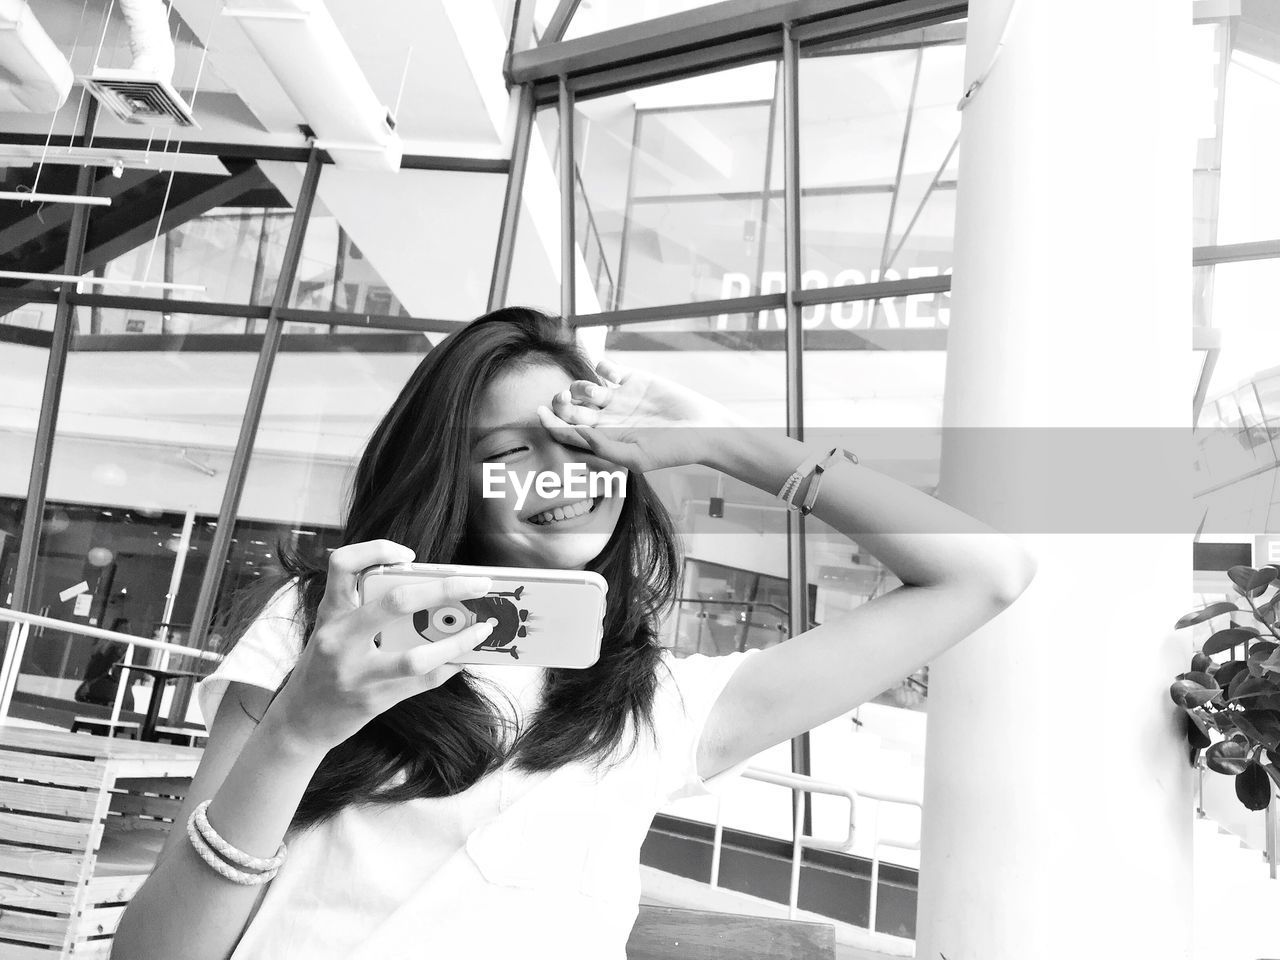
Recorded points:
(262, 657)
(687, 691)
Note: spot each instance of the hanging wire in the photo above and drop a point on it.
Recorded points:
(54, 120)
(403, 77)
(195, 90)
(972, 89)
(71, 138)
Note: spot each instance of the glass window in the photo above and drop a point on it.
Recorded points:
(886, 407)
(672, 185)
(1237, 72)
(535, 259)
(878, 156)
(734, 536)
(143, 446)
(413, 243)
(226, 246)
(1240, 298)
(32, 316)
(24, 368)
(319, 410)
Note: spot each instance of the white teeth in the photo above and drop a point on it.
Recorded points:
(562, 513)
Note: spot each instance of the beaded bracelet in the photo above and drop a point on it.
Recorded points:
(832, 458)
(792, 485)
(812, 468)
(221, 866)
(234, 854)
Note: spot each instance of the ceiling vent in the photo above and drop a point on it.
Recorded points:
(143, 93)
(137, 98)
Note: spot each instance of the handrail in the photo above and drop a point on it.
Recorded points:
(35, 620)
(798, 781)
(17, 645)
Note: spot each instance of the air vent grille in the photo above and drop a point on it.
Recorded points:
(137, 98)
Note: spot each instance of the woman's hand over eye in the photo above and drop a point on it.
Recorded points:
(635, 419)
(341, 680)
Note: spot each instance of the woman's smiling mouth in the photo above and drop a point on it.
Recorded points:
(569, 511)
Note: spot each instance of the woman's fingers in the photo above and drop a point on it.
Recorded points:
(588, 393)
(574, 412)
(579, 435)
(613, 371)
(426, 658)
(345, 565)
(408, 599)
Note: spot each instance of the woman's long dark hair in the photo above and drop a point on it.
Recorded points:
(411, 486)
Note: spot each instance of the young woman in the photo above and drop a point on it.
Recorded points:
(430, 811)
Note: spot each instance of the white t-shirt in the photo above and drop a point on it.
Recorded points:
(519, 865)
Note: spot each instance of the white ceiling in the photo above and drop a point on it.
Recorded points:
(238, 100)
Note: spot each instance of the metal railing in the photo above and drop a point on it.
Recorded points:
(802, 841)
(20, 631)
(1270, 826)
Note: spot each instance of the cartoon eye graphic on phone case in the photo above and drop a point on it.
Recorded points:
(441, 622)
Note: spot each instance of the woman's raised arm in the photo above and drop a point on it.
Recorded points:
(957, 573)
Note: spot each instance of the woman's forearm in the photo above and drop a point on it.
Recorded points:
(922, 540)
(185, 909)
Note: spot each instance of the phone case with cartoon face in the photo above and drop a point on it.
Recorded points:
(546, 618)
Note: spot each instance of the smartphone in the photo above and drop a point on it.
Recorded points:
(546, 618)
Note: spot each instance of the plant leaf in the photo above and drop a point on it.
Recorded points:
(1228, 757)
(1253, 787)
(1228, 672)
(1241, 575)
(1188, 693)
(1267, 611)
(1206, 613)
(1226, 639)
(1250, 582)
(1197, 732)
(1223, 720)
(1262, 650)
(1245, 726)
(1267, 723)
(1272, 772)
(1248, 687)
(1259, 582)
(1203, 679)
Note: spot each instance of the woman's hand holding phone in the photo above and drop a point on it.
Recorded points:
(341, 680)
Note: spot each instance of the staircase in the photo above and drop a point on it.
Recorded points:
(33, 236)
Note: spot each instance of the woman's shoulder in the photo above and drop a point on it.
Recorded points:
(262, 653)
(697, 676)
(278, 625)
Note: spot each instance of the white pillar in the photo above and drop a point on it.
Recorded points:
(1058, 797)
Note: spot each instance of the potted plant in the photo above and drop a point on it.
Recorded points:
(1232, 706)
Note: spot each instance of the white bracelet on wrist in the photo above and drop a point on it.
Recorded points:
(221, 866)
(234, 854)
(204, 839)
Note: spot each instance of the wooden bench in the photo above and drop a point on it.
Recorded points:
(186, 735)
(104, 727)
(82, 820)
(664, 933)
